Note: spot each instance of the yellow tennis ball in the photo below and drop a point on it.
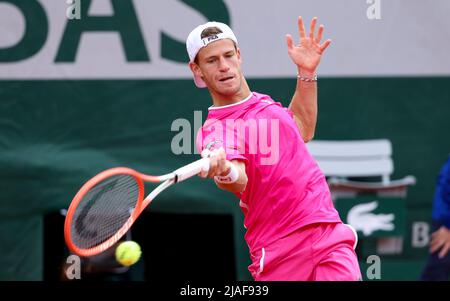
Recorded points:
(128, 253)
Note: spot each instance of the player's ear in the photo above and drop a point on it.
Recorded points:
(238, 53)
(195, 69)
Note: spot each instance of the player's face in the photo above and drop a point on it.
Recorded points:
(219, 65)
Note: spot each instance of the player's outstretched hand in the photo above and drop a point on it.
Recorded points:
(307, 54)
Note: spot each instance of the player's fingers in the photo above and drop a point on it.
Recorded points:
(301, 28)
(220, 156)
(206, 153)
(222, 165)
(226, 165)
(325, 45)
(289, 41)
(221, 151)
(312, 28)
(212, 166)
(319, 33)
(202, 174)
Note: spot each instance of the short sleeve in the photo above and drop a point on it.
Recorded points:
(235, 155)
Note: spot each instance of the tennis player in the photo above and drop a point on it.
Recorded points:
(257, 150)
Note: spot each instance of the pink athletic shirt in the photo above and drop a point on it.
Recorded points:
(286, 189)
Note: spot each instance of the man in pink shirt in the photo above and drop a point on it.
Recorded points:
(257, 151)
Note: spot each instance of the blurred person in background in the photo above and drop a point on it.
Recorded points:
(437, 267)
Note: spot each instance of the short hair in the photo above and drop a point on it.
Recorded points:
(210, 31)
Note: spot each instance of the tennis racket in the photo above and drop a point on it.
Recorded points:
(107, 205)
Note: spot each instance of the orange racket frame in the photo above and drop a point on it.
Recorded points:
(167, 180)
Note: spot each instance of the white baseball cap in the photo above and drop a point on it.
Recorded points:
(194, 42)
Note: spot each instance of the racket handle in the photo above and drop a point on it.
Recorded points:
(192, 169)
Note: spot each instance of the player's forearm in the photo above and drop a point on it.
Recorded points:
(241, 182)
(304, 107)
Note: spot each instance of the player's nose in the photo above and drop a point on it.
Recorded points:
(223, 64)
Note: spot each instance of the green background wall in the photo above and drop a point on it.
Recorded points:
(56, 134)
(80, 96)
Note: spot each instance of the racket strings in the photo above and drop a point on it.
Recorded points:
(104, 210)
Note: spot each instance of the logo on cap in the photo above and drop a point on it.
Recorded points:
(209, 39)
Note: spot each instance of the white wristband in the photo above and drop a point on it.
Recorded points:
(307, 79)
(231, 177)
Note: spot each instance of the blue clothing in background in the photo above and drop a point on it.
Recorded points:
(441, 203)
(438, 269)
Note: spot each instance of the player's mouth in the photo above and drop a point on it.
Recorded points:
(226, 79)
